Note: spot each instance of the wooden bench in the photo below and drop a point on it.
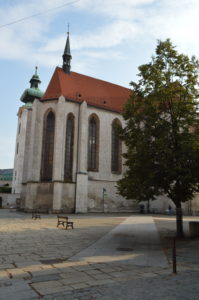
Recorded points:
(63, 220)
(35, 215)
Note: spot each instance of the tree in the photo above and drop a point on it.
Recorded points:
(162, 131)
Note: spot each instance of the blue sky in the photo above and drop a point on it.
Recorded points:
(109, 40)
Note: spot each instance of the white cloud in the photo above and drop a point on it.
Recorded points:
(126, 21)
(123, 9)
(20, 41)
(105, 37)
(104, 55)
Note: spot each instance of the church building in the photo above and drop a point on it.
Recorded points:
(68, 156)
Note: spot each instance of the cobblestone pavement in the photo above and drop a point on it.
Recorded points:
(34, 262)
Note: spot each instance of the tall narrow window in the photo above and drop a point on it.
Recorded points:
(68, 166)
(93, 143)
(115, 149)
(17, 148)
(48, 147)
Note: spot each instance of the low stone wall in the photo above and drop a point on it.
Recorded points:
(162, 203)
(8, 200)
(194, 228)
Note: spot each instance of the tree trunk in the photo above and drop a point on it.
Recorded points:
(179, 221)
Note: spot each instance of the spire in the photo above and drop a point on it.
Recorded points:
(35, 81)
(67, 55)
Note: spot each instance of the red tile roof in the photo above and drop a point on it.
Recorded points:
(79, 88)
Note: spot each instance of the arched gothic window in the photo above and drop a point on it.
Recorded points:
(93, 143)
(48, 147)
(116, 158)
(69, 141)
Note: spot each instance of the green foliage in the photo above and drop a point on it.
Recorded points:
(162, 129)
(5, 189)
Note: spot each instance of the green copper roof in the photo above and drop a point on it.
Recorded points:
(33, 91)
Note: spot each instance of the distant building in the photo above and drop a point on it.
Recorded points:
(6, 176)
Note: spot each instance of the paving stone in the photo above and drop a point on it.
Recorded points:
(29, 264)
(41, 278)
(93, 272)
(101, 276)
(31, 242)
(149, 275)
(48, 287)
(83, 267)
(44, 272)
(27, 295)
(100, 282)
(71, 273)
(6, 266)
(108, 270)
(19, 288)
(79, 285)
(116, 274)
(18, 273)
(3, 275)
(77, 278)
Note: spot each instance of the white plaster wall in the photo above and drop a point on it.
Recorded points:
(57, 196)
(81, 193)
(192, 206)
(36, 134)
(8, 200)
(108, 201)
(162, 203)
(27, 146)
(61, 108)
(68, 197)
(159, 205)
(39, 196)
(195, 204)
(81, 113)
(24, 117)
(59, 139)
(82, 136)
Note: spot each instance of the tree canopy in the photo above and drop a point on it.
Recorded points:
(162, 130)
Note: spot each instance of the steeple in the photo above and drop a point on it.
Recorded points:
(67, 55)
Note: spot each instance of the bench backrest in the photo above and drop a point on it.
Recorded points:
(62, 217)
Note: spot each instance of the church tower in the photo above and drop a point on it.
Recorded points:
(67, 56)
(23, 131)
(33, 92)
